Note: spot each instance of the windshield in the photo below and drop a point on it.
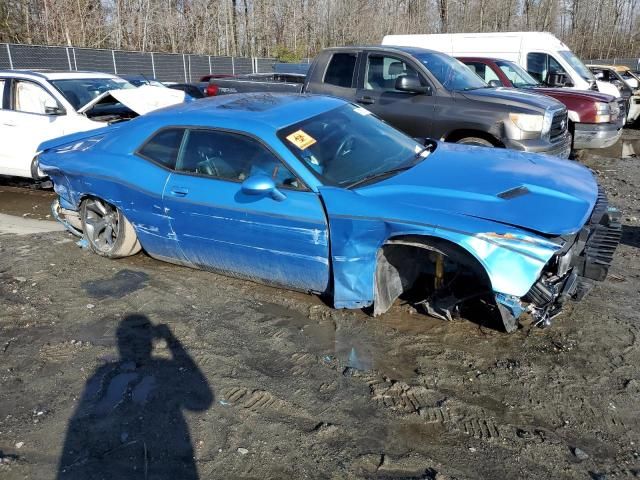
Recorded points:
(516, 74)
(451, 73)
(80, 91)
(577, 65)
(348, 144)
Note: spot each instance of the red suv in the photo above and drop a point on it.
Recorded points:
(595, 119)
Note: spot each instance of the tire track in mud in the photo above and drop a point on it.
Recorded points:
(267, 406)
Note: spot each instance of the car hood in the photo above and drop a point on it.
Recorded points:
(541, 193)
(141, 100)
(513, 97)
(577, 94)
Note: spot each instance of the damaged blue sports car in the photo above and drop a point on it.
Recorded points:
(317, 194)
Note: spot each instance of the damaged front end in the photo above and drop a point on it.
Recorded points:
(585, 257)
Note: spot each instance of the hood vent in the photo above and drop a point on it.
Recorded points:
(514, 193)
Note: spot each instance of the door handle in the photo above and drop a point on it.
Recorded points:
(179, 191)
(8, 124)
(365, 100)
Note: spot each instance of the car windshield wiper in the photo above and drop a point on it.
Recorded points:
(419, 155)
(376, 176)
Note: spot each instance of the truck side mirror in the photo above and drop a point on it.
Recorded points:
(495, 83)
(51, 107)
(411, 83)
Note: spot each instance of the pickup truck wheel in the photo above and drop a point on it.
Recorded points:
(107, 231)
(477, 141)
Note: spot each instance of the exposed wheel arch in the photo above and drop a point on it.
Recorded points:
(397, 267)
(458, 135)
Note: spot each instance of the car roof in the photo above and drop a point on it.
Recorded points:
(595, 65)
(276, 110)
(56, 74)
(387, 48)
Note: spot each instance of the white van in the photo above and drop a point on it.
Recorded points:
(544, 56)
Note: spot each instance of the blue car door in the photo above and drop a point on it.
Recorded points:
(253, 235)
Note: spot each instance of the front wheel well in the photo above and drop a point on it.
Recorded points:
(467, 132)
(417, 263)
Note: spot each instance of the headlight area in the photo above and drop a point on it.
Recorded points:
(584, 258)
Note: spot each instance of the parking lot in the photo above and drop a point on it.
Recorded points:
(248, 381)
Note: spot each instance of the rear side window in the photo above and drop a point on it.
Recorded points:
(341, 69)
(163, 147)
(484, 71)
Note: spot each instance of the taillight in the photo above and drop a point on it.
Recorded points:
(212, 90)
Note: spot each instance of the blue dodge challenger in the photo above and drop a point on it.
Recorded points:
(317, 194)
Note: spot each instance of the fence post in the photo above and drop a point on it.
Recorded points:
(9, 55)
(75, 60)
(68, 58)
(233, 67)
(209, 57)
(184, 68)
(113, 56)
(153, 65)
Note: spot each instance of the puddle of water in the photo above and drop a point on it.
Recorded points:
(121, 284)
(358, 343)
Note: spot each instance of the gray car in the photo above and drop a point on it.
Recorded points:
(430, 94)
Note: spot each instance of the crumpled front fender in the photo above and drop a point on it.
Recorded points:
(512, 258)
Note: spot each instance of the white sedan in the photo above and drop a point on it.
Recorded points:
(38, 106)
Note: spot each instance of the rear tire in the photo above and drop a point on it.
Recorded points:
(477, 141)
(107, 231)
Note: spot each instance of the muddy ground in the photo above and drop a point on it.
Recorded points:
(247, 381)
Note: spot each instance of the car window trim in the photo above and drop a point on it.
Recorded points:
(303, 186)
(12, 98)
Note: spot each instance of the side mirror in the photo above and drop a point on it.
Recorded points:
(51, 107)
(495, 83)
(262, 185)
(411, 83)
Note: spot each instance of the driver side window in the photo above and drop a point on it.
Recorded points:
(541, 65)
(32, 98)
(382, 72)
(230, 156)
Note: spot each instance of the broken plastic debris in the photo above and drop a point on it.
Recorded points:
(243, 451)
(222, 402)
(82, 243)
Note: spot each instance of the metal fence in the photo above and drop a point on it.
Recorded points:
(166, 67)
(632, 63)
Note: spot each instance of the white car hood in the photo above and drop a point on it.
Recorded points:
(141, 100)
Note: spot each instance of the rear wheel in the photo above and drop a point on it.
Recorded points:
(107, 231)
(477, 141)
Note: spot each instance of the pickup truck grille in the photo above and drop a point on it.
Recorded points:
(558, 124)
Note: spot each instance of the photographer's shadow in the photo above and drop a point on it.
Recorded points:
(129, 423)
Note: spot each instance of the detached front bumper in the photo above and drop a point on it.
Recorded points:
(559, 147)
(584, 258)
(595, 135)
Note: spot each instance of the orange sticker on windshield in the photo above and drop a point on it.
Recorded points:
(301, 139)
